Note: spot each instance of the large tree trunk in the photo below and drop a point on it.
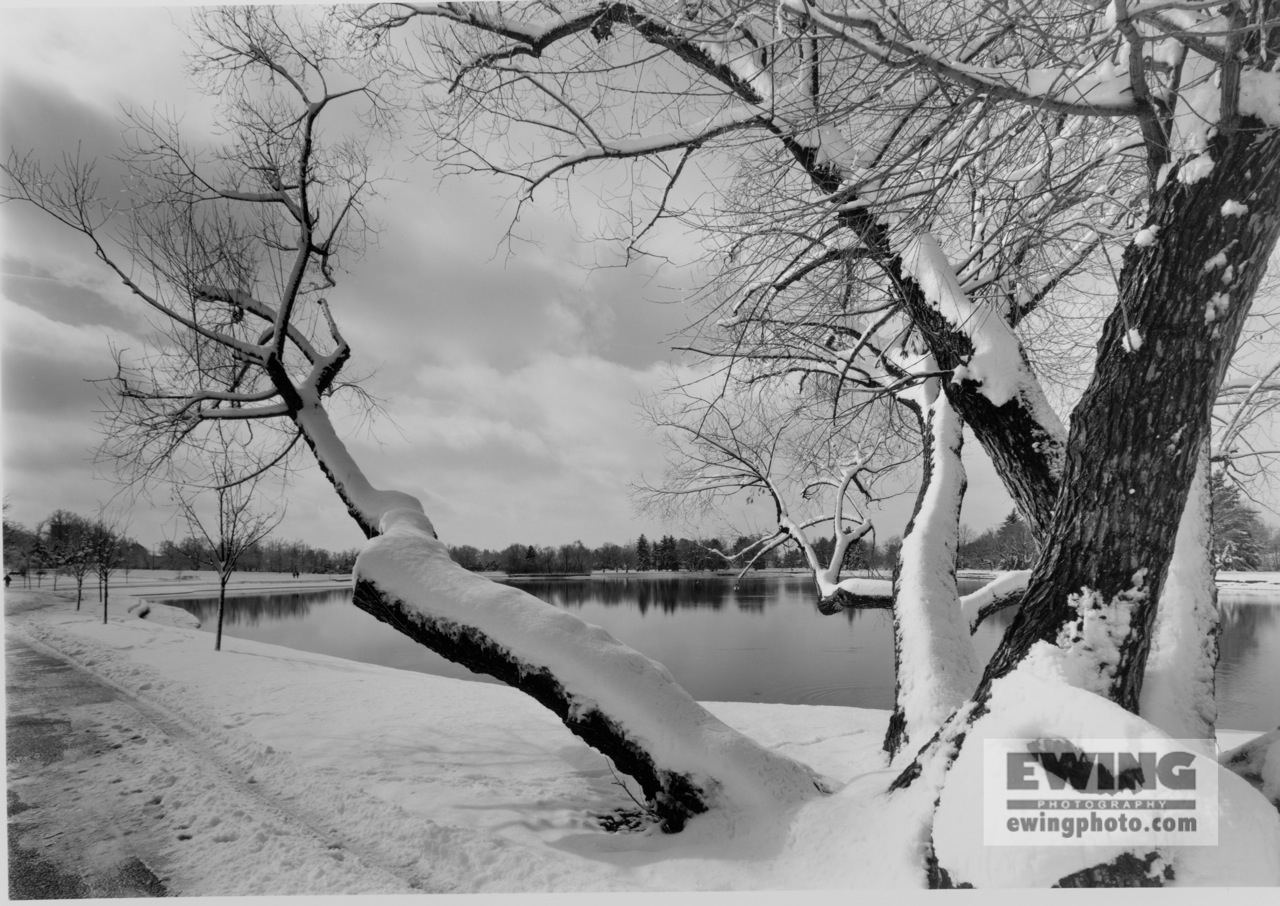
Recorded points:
(1090, 607)
(614, 698)
(1137, 431)
(936, 667)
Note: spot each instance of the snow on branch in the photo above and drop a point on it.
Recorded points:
(618, 700)
(1003, 591)
(997, 363)
(1099, 88)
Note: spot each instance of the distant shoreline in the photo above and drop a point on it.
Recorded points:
(168, 584)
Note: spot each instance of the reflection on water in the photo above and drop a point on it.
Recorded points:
(761, 640)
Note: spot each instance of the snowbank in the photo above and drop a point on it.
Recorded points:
(296, 773)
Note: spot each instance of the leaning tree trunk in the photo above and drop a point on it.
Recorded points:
(1022, 435)
(615, 699)
(936, 667)
(1132, 450)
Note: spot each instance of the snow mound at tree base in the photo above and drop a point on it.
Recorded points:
(1258, 762)
(1034, 702)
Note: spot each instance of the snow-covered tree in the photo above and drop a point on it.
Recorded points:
(941, 174)
(918, 186)
(236, 249)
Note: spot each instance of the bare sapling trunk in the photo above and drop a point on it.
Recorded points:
(935, 664)
(222, 603)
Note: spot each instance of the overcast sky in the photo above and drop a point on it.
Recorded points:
(509, 381)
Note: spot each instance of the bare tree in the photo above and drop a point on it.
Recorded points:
(760, 444)
(237, 522)
(73, 537)
(955, 165)
(237, 251)
(958, 165)
(106, 542)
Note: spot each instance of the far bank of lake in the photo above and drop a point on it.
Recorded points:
(757, 639)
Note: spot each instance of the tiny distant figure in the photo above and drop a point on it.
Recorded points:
(7, 579)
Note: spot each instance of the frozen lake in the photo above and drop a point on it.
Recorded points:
(763, 641)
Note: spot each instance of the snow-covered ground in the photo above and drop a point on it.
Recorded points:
(1263, 582)
(286, 772)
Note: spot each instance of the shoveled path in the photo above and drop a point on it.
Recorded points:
(54, 722)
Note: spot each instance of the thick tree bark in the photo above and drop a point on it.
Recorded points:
(1137, 430)
(1134, 441)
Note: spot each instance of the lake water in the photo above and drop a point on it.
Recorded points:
(763, 640)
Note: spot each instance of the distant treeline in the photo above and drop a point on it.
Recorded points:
(667, 554)
(68, 543)
(61, 543)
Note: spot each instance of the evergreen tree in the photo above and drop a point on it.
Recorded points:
(1238, 533)
(667, 559)
(644, 557)
(1016, 549)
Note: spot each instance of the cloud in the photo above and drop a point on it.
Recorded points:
(70, 301)
(540, 453)
(48, 363)
(71, 52)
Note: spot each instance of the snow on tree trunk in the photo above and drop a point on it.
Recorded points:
(1177, 694)
(936, 665)
(1138, 428)
(366, 504)
(1015, 424)
(614, 698)
(1089, 609)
